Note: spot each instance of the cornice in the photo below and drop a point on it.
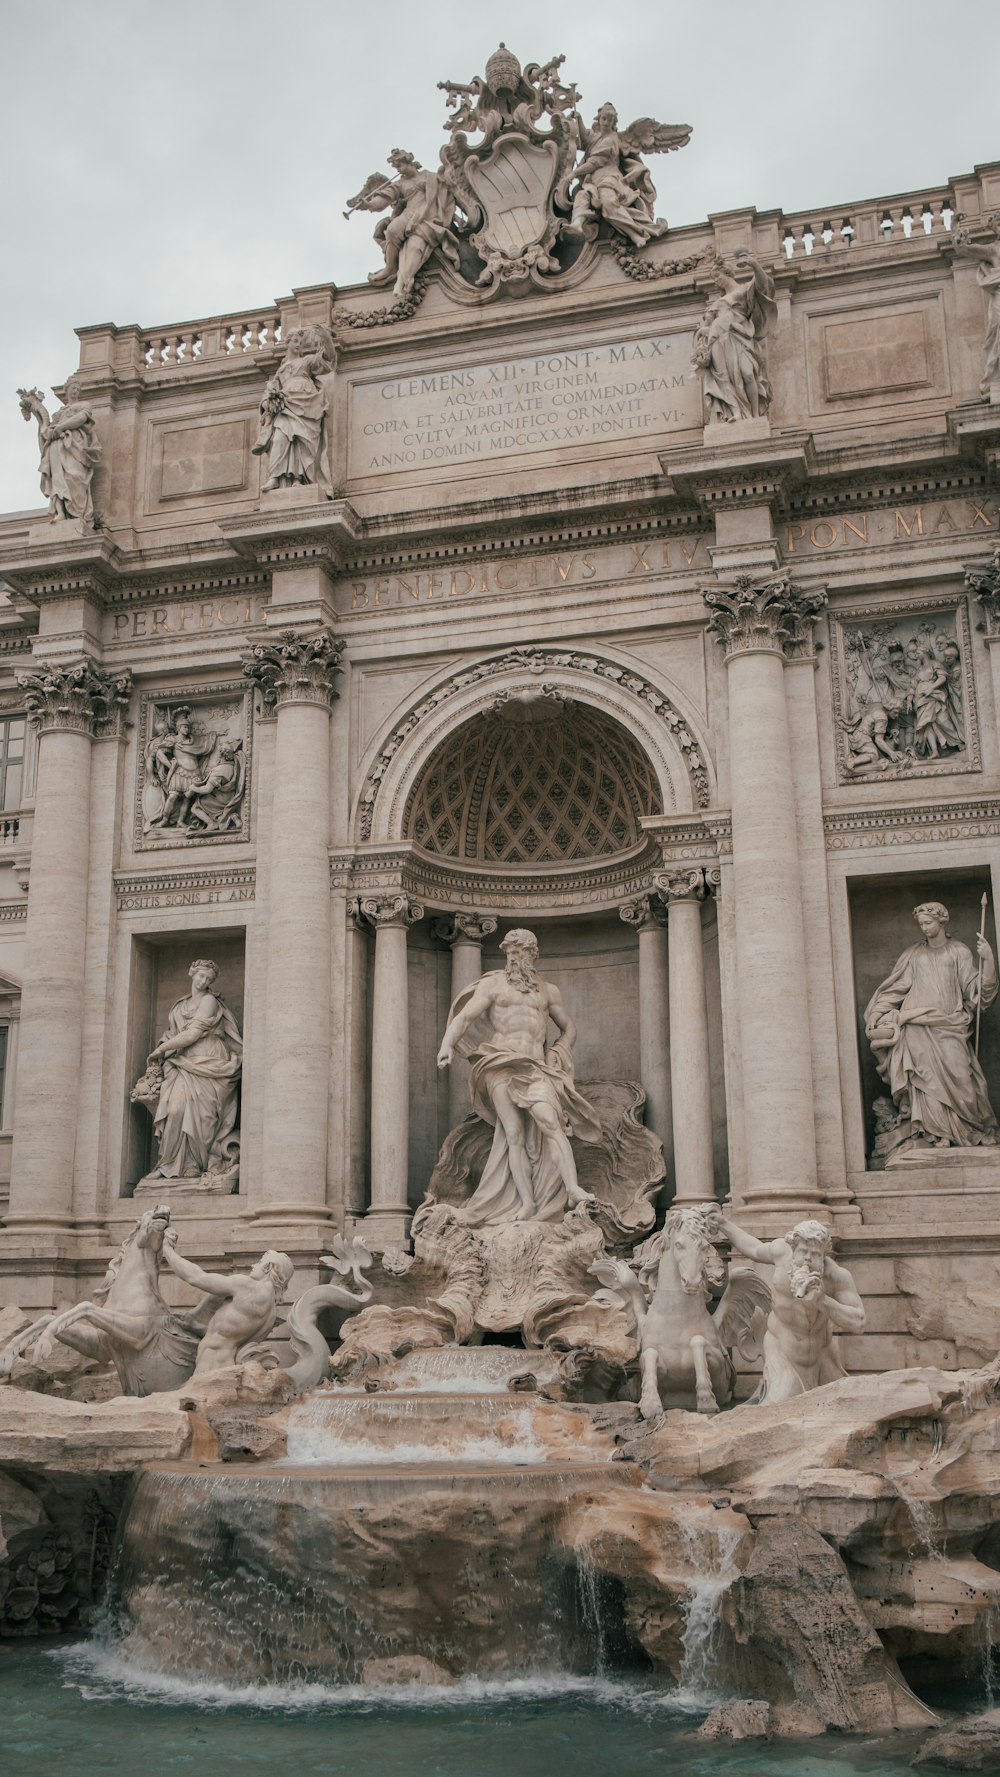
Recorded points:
(449, 886)
(874, 828)
(198, 884)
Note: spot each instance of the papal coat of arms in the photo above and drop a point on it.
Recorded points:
(527, 199)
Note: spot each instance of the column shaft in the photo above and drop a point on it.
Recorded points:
(654, 1034)
(770, 941)
(690, 1078)
(388, 1216)
(48, 1083)
(297, 1035)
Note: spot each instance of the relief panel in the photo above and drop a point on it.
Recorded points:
(904, 700)
(193, 778)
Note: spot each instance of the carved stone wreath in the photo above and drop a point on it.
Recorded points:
(536, 661)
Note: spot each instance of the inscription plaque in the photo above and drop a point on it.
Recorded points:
(629, 389)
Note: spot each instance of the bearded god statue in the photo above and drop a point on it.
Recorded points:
(523, 1086)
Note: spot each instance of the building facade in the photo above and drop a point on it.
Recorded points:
(544, 637)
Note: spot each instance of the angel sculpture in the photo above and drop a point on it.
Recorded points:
(612, 181)
(293, 412)
(422, 208)
(70, 451)
(684, 1347)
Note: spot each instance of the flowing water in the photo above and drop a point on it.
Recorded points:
(443, 1528)
(83, 1711)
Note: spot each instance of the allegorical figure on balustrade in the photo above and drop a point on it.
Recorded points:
(729, 339)
(191, 1084)
(70, 451)
(423, 208)
(987, 257)
(293, 412)
(919, 1023)
(812, 1299)
(612, 181)
(524, 1087)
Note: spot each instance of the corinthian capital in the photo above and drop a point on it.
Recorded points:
(983, 578)
(465, 928)
(77, 696)
(390, 909)
(689, 882)
(772, 615)
(641, 912)
(296, 668)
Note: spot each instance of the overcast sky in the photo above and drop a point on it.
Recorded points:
(172, 160)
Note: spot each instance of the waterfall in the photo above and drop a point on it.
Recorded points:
(711, 1547)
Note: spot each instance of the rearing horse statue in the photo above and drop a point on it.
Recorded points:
(152, 1346)
(684, 1348)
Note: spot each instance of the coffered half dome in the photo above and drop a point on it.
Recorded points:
(533, 780)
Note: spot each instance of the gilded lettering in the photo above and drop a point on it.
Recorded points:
(639, 564)
(860, 531)
(160, 624)
(916, 523)
(979, 516)
(359, 595)
(822, 524)
(121, 622)
(139, 623)
(794, 531)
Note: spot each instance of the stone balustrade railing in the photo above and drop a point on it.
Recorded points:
(918, 215)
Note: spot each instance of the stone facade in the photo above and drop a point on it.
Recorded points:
(556, 646)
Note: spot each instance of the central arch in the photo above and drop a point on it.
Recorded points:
(653, 743)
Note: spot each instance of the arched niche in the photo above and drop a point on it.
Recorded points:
(611, 696)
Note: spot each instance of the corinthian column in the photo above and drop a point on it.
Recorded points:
(757, 624)
(388, 1219)
(683, 891)
(296, 674)
(646, 917)
(68, 705)
(465, 934)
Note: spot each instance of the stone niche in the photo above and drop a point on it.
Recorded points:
(882, 927)
(594, 961)
(158, 978)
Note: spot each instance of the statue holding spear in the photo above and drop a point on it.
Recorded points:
(919, 1022)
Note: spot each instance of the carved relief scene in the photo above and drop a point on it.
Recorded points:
(194, 769)
(904, 699)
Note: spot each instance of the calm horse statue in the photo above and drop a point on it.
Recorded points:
(684, 1348)
(152, 1346)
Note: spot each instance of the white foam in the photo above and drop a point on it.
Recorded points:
(312, 1445)
(101, 1671)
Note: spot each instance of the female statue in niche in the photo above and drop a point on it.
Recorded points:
(200, 1057)
(729, 341)
(919, 1024)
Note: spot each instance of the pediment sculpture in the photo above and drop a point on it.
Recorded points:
(528, 198)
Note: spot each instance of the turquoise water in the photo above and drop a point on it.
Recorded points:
(80, 1712)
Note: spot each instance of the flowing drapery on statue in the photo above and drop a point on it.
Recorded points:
(524, 1089)
(202, 1057)
(919, 1024)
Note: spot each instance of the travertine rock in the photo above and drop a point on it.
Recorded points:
(112, 1437)
(801, 1635)
(971, 1745)
(746, 1720)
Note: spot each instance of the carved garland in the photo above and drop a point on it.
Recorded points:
(538, 660)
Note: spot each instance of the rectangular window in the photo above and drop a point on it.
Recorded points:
(11, 761)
